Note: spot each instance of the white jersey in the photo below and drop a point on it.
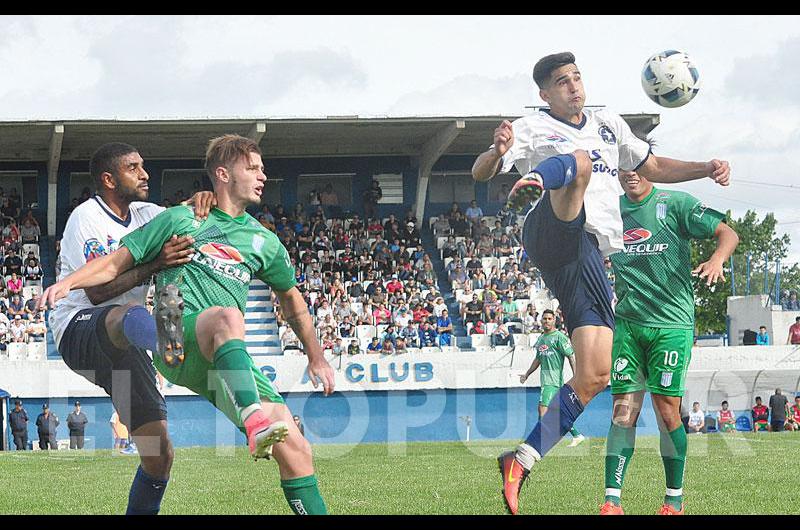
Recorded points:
(610, 144)
(696, 418)
(93, 231)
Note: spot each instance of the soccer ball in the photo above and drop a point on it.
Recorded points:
(670, 79)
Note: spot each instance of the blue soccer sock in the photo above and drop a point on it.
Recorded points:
(146, 494)
(556, 422)
(557, 171)
(139, 328)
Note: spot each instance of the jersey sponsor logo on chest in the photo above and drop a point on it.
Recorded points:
(224, 268)
(634, 240)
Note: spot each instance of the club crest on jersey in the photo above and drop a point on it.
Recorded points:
(607, 135)
(636, 235)
(666, 379)
(222, 253)
(93, 249)
(557, 138)
(661, 210)
(258, 242)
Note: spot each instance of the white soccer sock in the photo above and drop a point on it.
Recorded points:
(674, 493)
(527, 456)
(247, 411)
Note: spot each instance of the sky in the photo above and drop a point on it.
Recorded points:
(136, 67)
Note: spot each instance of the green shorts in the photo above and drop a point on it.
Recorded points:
(727, 427)
(761, 426)
(547, 395)
(651, 359)
(199, 376)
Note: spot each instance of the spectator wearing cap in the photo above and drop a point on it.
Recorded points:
(395, 285)
(37, 329)
(18, 330)
(76, 423)
(47, 424)
(762, 339)
(410, 235)
(403, 317)
(18, 421)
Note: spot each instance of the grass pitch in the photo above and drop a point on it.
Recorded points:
(726, 474)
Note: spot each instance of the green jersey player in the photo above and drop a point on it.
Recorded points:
(552, 348)
(655, 323)
(229, 248)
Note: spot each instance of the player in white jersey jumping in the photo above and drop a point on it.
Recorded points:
(573, 154)
(103, 333)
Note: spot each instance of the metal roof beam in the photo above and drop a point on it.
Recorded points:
(430, 154)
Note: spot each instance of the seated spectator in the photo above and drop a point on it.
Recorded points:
(328, 339)
(346, 328)
(478, 328)
(377, 297)
(400, 346)
(762, 339)
(12, 264)
(11, 233)
(760, 415)
(387, 348)
(289, 339)
(793, 416)
(492, 307)
(479, 280)
(338, 347)
(37, 329)
(325, 323)
(474, 212)
(444, 327)
(530, 320)
(520, 287)
(30, 308)
(697, 419)
(389, 334)
(382, 315)
(510, 310)
(18, 330)
(427, 276)
(421, 314)
(792, 304)
(33, 271)
(473, 310)
(395, 285)
(29, 232)
(459, 278)
(460, 226)
(403, 317)
(353, 348)
(374, 346)
(441, 225)
(726, 419)
(410, 335)
(501, 336)
(428, 335)
(14, 284)
(16, 307)
(29, 217)
(504, 248)
(439, 307)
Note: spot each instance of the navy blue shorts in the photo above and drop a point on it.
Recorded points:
(128, 376)
(571, 265)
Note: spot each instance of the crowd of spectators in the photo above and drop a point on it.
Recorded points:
(780, 414)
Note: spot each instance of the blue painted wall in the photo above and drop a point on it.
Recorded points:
(356, 417)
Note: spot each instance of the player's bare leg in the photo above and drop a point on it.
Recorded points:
(673, 450)
(620, 445)
(155, 449)
(220, 335)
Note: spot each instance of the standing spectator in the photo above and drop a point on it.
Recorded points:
(792, 304)
(726, 419)
(762, 339)
(371, 198)
(794, 332)
(760, 415)
(76, 422)
(119, 431)
(444, 327)
(46, 423)
(697, 419)
(778, 405)
(18, 421)
(297, 421)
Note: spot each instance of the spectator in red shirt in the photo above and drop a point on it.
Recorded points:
(395, 285)
(794, 332)
(382, 315)
(421, 314)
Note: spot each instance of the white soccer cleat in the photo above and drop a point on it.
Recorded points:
(577, 441)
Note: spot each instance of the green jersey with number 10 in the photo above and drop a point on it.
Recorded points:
(653, 272)
(228, 253)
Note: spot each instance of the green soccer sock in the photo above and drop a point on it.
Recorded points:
(303, 496)
(233, 367)
(673, 453)
(574, 432)
(620, 444)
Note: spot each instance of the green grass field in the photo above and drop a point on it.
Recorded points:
(726, 474)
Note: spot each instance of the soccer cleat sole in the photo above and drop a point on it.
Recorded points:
(169, 325)
(277, 433)
(525, 191)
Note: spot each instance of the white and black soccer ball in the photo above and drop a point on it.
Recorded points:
(670, 78)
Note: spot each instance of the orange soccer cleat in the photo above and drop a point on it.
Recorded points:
(667, 509)
(609, 508)
(514, 476)
(262, 434)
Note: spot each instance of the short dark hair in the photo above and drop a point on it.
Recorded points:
(106, 159)
(549, 312)
(758, 398)
(546, 65)
(724, 402)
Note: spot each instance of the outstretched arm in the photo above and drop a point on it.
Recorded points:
(727, 240)
(175, 252)
(295, 312)
(488, 164)
(669, 171)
